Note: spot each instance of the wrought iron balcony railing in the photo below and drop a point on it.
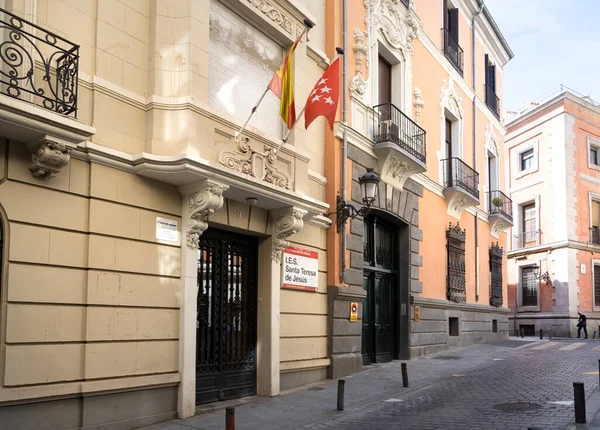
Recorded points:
(595, 236)
(458, 175)
(500, 204)
(391, 125)
(38, 66)
(527, 239)
(492, 101)
(453, 51)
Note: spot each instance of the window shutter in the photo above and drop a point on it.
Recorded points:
(453, 22)
(596, 285)
(492, 77)
(446, 13)
(241, 63)
(595, 213)
(487, 71)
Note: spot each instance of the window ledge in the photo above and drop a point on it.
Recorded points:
(593, 166)
(525, 173)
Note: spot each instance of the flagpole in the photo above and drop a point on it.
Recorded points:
(339, 51)
(308, 24)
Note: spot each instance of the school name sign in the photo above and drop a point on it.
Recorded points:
(300, 269)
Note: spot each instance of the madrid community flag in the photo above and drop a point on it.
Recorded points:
(323, 100)
(282, 85)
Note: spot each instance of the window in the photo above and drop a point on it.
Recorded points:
(452, 49)
(242, 61)
(528, 287)
(527, 160)
(596, 284)
(595, 223)
(496, 275)
(491, 100)
(456, 280)
(529, 227)
(594, 153)
(594, 156)
(494, 326)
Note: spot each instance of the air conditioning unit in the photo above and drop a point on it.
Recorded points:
(388, 131)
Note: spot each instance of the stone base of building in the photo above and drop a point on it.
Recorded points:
(552, 325)
(299, 378)
(122, 411)
(444, 325)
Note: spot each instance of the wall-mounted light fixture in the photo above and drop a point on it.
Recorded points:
(544, 276)
(369, 184)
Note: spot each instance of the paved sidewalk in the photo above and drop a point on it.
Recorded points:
(512, 384)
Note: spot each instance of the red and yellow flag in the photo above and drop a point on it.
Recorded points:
(282, 85)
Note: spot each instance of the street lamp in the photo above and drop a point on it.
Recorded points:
(536, 271)
(369, 184)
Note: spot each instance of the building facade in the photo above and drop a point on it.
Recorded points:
(423, 112)
(555, 187)
(142, 240)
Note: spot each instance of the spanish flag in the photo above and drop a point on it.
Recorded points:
(282, 85)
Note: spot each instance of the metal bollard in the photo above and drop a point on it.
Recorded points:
(594, 336)
(541, 334)
(230, 419)
(522, 332)
(404, 375)
(340, 399)
(579, 393)
(599, 373)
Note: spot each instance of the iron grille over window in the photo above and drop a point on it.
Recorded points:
(456, 280)
(38, 66)
(496, 275)
(596, 284)
(529, 286)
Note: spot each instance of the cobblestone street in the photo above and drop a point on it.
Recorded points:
(511, 384)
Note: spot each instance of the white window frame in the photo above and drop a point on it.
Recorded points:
(520, 266)
(517, 159)
(592, 197)
(518, 214)
(594, 262)
(593, 143)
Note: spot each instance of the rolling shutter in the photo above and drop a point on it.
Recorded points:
(241, 63)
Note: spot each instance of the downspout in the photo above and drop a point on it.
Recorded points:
(482, 5)
(345, 123)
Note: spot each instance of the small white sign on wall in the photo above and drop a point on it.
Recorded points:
(166, 229)
(583, 269)
(300, 269)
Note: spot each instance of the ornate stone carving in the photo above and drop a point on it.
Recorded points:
(202, 204)
(418, 103)
(259, 165)
(273, 13)
(491, 141)
(451, 100)
(498, 225)
(49, 159)
(358, 84)
(286, 222)
(396, 23)
(457, 202)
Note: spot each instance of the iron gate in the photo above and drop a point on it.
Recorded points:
(226, 317)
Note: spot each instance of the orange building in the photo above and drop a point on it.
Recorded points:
(554, 175)
(423, 111)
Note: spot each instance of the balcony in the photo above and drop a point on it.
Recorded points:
(527, 239)
(461, 186)
(38, 93)
(492, 101)
(595, 236)
(500, 212)
(399, 144)
(454, 53)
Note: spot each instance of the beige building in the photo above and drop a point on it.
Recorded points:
(141, 240)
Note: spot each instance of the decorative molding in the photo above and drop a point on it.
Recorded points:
(202, 204)
(358, 85)
(396, 23)
(491, 141)
(418, 104)
(498, 224)
(274, 14)
(451, 100)
(457, 201)
(259, 165)
(396, 169)
(286, 222)
(49, 159)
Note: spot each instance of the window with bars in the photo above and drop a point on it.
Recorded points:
(379, 244)
(456, 290)
(529, 283)
(496, 275)
(242, 61)
(597, 285)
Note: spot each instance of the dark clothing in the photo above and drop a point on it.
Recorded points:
(582, 324)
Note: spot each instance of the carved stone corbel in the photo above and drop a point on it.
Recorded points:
(202, 204)
(419, 104)
(285, 223)
(358, 85)
(49, 159)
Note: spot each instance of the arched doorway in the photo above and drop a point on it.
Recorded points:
(384, 280)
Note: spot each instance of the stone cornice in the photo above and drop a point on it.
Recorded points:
(571, 244)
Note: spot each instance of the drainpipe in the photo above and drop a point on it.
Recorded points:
(482, 5)
(345, 122)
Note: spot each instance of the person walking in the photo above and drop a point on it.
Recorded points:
(582, 324)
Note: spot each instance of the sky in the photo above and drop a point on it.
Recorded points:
(554, 42)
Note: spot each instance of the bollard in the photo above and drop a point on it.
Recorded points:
(598, 373)
(579, 393)
(594, 336)
(340, 405)
(404, 375)
(522, 332)
(230, 419)
(541, 334)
